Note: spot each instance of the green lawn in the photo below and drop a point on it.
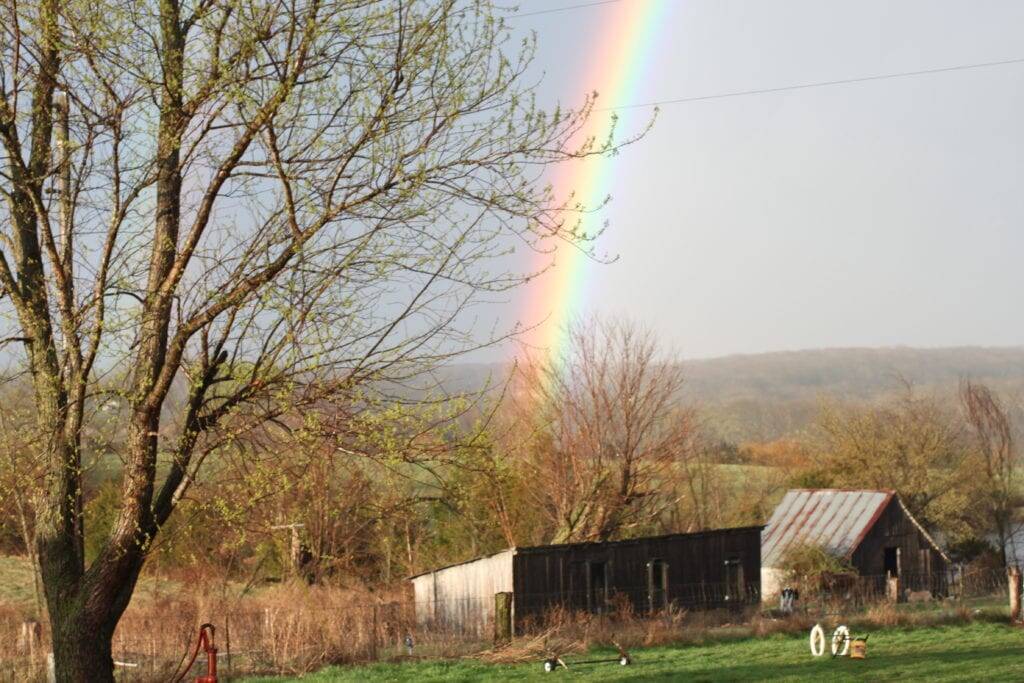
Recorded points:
(973, 652)
(15, 581)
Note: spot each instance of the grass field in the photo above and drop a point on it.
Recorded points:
(15, 581)
(16, 584)
(972, 652)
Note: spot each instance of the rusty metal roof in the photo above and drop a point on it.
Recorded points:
(833, 519)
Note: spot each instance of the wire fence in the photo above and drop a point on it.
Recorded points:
(847, 593)
(295, 637)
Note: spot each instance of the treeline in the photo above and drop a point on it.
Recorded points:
(594, 444)
(768, 396)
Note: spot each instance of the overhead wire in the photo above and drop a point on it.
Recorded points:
(817, 84)
(582, 5)
(784, 88)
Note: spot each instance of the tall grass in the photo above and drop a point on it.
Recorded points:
(295, 629)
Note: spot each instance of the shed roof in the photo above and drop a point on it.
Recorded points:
(639, 540)
(459, 564)
(572, 546)
(836, 520)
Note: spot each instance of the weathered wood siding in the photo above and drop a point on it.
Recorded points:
(694, 566)
(461, 597)
(922, 567)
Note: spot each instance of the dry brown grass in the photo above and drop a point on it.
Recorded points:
(290, 629)
(552, 642)
(294, 629)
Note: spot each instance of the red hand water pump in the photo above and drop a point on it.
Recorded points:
(205, 641)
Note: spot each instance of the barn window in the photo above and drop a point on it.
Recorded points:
(733, 580)
(925, 562)
(657, 585)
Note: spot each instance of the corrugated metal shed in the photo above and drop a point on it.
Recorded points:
(462, 594)
(833, 519)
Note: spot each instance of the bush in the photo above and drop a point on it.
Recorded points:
(972, 549)
(810, 566)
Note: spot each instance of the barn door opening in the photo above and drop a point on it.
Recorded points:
(892, 562)
(597, 589)
(657, 585)
(579, 585)
(734, 583)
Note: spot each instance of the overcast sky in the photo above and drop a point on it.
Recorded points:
(870, 214)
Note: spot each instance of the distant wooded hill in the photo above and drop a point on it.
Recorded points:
(765, 396)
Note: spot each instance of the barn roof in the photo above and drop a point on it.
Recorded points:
(833, 519)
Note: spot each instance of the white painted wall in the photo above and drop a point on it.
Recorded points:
(771, 583)
(463, 596)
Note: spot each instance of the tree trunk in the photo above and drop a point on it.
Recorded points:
(1002, 535)
(85, 609)
(81, 646)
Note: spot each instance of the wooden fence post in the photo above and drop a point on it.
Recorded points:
(29, 639)
(1014, 577)
(227, 643)
(892, 588)
(373, 635)
(502, 618)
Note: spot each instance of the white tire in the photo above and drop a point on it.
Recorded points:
(840, 641)
(624, 661)
(549, 666)
(817, 640)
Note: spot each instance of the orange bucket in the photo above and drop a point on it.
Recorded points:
(858, 648)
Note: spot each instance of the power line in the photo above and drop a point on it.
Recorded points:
(582, 5)
(818, 84)
(765, 91)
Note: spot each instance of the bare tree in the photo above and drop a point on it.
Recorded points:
(599, 429)
(912, 444)
(263, 203)
(998, 494)
(700, 506)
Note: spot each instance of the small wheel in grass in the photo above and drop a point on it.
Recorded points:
(840, 641)
(817, 640)
(625, 661)
(550, 665)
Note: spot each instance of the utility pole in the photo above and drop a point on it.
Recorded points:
(296, 549)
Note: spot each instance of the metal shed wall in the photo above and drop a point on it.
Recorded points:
(462, 596)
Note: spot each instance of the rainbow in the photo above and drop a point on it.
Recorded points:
(623, 47)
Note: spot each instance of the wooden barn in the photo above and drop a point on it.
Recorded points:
(873, 530)
(707, 569)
